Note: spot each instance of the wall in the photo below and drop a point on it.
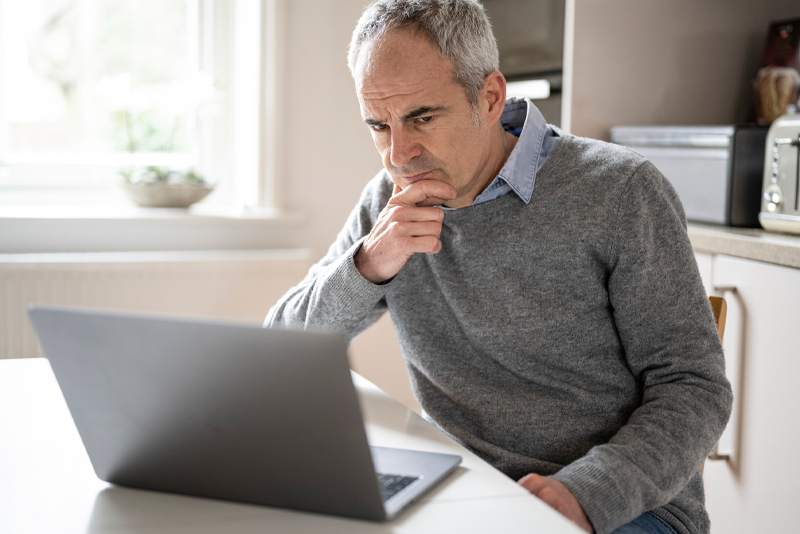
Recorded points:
(328, 151)
(667, 62)
(328, 156)
(222, 285)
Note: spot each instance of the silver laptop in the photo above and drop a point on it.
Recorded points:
(227, 411)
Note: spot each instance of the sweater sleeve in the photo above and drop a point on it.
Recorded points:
(334, 296)
(667, 330)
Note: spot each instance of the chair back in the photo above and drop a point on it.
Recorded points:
(720, 309)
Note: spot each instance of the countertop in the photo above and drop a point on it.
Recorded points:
(747, 243)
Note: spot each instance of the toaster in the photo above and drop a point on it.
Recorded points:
(716, 170)
(780, 202)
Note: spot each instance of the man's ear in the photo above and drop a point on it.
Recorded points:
(493, 95)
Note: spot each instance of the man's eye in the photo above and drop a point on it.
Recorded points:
(378, 127)
(425, 119)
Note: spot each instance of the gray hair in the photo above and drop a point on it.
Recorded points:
(460, 28)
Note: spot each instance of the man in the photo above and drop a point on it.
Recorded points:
(542, 286)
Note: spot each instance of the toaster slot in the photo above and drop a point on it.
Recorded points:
(796, 145)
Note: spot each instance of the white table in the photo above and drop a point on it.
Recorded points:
(47, 484)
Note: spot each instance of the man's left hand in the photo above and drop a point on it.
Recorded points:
(556, 494)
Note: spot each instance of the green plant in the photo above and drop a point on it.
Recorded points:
(153, 174)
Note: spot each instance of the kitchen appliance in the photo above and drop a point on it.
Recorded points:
(716, 170)
(780, 203)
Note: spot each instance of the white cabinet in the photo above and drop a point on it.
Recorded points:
(758, 489)
(705, 262)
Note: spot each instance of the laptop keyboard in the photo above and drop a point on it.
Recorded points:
(392, 484)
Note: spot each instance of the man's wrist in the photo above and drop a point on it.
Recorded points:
(358, 260)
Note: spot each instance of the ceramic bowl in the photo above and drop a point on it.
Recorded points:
(166, 195)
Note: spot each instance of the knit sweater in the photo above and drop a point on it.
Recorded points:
(569, 337)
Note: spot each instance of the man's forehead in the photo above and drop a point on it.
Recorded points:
(380, 102)
(402, 71)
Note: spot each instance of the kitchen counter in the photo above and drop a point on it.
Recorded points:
(748, 243)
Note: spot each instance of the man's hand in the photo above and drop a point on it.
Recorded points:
(556, 494)
(407, 225)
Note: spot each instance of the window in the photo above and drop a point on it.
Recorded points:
(89, 88)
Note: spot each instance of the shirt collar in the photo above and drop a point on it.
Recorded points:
(519, 170)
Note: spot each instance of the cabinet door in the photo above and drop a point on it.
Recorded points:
(705, 265)
(758, 489)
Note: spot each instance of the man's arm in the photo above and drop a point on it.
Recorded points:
(671, 345)
(344, 291)
(333, 295)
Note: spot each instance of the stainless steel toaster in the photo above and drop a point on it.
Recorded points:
(780, 202)
(716, 170)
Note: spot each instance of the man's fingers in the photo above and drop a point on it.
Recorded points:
(421, 237)
(417, 193)
(410, 245)
(414, 214)
(533, 482)
(432, 201)
(421, 229)
(558, 497)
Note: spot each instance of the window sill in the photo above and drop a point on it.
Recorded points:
(95, 212)
(110, 228)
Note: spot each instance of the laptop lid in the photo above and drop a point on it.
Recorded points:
(214, 410)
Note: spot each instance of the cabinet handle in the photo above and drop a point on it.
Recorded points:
(723, 449)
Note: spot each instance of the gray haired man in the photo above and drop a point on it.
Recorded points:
(542, 285)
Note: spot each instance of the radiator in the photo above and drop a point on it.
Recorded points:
(232, 285)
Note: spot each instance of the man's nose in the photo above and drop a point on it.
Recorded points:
(404, 148)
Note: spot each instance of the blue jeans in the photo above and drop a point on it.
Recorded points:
(645, 524)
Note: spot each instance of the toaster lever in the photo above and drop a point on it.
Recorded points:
(788, 141)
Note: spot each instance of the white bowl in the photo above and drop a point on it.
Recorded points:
(166, 195)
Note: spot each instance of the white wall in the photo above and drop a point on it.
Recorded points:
(678, 62)
(221, 285)
(329, 157)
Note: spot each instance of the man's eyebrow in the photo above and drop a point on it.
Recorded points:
(424, 110)
(419, 112)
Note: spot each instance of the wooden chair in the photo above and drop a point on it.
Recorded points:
(720, 309)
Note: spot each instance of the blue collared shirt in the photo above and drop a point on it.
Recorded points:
(536, 142)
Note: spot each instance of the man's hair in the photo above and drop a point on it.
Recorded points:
(460, 29)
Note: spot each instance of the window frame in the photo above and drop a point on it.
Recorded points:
(238, 43)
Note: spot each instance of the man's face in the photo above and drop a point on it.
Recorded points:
(421, 121)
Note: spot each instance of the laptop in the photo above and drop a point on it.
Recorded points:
(227, 411)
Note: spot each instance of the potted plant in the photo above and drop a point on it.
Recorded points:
(161, 187)
(156, 118)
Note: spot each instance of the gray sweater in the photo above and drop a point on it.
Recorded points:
(568, 337)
